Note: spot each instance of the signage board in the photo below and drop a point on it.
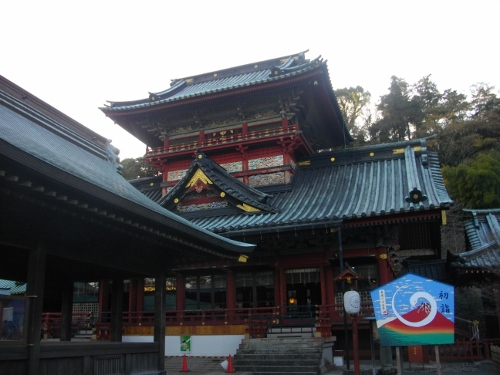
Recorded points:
(414, 310)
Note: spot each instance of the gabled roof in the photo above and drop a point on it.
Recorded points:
(353, 186)
(222, 80)
(240, 194)
(238, 84)
(483, 234)
(41, 143)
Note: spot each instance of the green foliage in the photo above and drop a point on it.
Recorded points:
(137, 168)
(353, 102)
(474, 129)
(469, 305)
(475, 184)
(398, 110)
(467, 133)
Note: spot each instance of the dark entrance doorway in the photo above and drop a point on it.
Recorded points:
(303, 289)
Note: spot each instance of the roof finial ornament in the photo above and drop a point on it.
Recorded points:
(415, 196)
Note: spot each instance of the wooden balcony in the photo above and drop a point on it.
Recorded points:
(223, 137)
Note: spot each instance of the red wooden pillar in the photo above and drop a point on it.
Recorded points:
(329, 287)
(383, 267)
(280, 297)
(140, 295)
(116, 329)
(230, 293)
(322, 278)
(180, 292)
(277, 287)
(201, 138)
(103, 298)
(284, 124)
(132, 296)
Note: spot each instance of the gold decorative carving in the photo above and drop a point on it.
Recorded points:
(198, 175)
(383, 256)
(247, 208)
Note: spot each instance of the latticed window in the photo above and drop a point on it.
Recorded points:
(205, 292)
(170, 298)
(255, 289)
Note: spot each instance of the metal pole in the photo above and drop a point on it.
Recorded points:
(346, 333)
(355, 344)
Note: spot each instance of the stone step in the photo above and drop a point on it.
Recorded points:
(278, 369)
(281, 343)
(291, 356)
(278, 356)
(270, 372)
(262, 364)
(280, 351)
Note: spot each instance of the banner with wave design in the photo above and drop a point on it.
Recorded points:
(413, 310)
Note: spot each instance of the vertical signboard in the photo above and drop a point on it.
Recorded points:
(414, 310)
(185, 343)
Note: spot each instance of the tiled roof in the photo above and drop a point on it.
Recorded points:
(247, 75)
(224, 181)
(369, 182)
(483, 234)
(436, 269)
(69, 153)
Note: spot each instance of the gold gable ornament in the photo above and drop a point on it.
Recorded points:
(198, 175)
(247, 208)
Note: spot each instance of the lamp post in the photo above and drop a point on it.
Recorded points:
(352, 306)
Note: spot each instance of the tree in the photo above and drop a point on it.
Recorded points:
(475, 184)
(137, 168)
(470, 128)
(353, 102)
(427, 99)
(398, 112)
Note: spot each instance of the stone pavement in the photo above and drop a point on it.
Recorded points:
(198, 365)
(212, 366)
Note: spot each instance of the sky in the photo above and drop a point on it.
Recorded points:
(76, 55)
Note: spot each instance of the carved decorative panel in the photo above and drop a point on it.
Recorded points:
(267, 162)
(267, 179)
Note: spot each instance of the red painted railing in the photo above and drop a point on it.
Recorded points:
(51, 323)
(228, 136)
(257, 319)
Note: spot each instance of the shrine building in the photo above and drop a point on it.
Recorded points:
(260, 153)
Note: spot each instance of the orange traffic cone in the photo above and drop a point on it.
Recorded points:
(184, 364)
(230, 367)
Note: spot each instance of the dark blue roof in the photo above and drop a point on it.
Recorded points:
(70, 154)
(483, 234)
(222, 80)
(368, 182)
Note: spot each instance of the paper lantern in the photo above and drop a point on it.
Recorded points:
(352, 302)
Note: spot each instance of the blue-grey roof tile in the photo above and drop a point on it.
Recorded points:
(183, 88)
(325, 191)
(60, 147)
(483, 234)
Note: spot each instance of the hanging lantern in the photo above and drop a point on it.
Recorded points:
(352, 302)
